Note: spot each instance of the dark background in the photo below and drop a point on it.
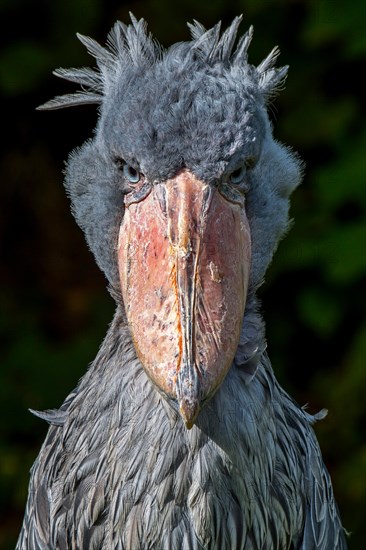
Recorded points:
(54, 306)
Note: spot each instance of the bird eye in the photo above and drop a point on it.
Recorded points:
(131, 174)
(237, 175)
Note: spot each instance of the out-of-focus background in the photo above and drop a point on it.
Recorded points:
(54, 306)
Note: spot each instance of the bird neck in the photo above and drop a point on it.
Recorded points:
(117, 378)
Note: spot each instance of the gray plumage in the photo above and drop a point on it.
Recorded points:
(118, 468)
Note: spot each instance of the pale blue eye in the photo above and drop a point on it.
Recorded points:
(237, 175)
(131, 174)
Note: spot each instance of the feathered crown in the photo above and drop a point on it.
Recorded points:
(132, 45)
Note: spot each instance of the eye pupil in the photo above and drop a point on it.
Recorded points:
(131, 174)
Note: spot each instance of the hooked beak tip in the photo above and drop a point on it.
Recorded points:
(189, 409)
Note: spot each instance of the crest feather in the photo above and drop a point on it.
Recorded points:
(226, 44)
(243, 45)
(71, 100)
(206, 44)
(197, 29)
(269, 61)
(141, 48)
(85, 77)
(102, 55)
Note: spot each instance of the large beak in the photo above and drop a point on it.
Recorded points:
(184, 261)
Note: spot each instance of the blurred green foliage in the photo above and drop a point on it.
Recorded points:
(54, 309)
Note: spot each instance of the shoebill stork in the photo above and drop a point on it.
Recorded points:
(179, 436)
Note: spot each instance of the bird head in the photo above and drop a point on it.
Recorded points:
(182, 194)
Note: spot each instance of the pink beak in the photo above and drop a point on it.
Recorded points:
(184, 260)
